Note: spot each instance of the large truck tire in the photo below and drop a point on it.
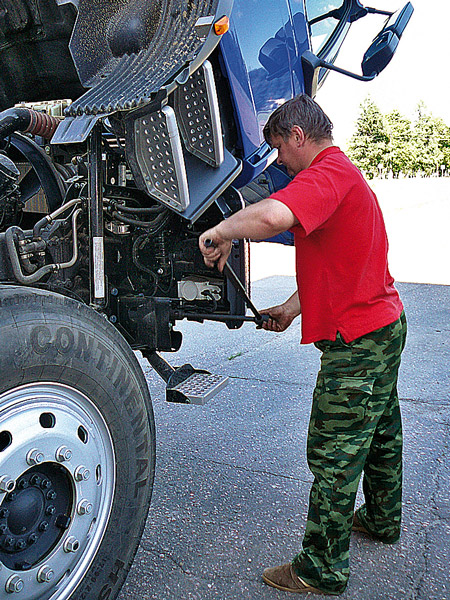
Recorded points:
(77, 450)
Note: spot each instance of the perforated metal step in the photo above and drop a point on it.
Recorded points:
(159, 156)
(197, 388)
(197, 109)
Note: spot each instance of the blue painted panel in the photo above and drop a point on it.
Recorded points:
(245, 111)
(261, 53)
(299, 32)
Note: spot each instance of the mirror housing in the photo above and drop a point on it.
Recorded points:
(376, 58)
(383, 47)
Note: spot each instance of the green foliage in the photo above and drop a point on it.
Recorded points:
(385, 144)
(400, 148)
(369, 144)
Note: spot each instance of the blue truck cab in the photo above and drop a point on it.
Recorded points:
(127, 128)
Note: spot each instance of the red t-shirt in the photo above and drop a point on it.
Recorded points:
(341, 245)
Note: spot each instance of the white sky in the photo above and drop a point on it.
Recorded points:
(418, 71)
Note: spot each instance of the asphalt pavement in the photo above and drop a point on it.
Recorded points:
(232, 483)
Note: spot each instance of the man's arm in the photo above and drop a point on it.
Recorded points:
(257, 222)
(282, 316)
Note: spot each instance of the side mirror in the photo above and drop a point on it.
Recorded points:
(383, 47)
(376, 58)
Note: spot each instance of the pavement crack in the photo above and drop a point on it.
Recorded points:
(421, 589)
(423, 401)
(278, 382)
(220, 463)
(256, 471)
(160, 553)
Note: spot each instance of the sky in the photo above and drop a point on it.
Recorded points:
(417, 72)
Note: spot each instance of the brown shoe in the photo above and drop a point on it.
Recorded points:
(284, 578)
(358, 526)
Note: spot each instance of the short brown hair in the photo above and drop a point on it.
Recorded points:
(301, 111)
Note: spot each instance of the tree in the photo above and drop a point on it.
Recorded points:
(428, 154)
(443, 134)
(392, 144)
(369, 144)
(400, 155)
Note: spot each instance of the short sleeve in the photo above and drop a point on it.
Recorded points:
(312, 197)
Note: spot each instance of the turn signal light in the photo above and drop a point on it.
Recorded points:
(222, 25)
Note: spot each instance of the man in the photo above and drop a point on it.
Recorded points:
(352, 312)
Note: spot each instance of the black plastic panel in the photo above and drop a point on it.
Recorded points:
(128, 51)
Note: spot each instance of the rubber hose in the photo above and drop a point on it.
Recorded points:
(27, 121)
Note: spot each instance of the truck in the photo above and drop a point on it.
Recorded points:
(127, 128)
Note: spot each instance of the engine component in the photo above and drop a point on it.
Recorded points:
(198, 288)
(22, 249)
(9, 175)
(28, 121)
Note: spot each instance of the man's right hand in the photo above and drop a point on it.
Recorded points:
(215, 248)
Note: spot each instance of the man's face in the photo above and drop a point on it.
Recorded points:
(290, 153)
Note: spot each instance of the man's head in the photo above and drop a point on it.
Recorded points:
(303, 112)
(299, 129)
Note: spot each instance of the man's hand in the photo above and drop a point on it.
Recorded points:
(216, 250)
(280, 317)
(255, 222)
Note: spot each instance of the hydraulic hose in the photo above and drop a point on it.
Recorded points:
(14, 233)
(27, 121)
(10, 233)
(153, 226)
(51, 217)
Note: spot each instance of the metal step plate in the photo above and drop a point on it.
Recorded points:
(160, 158)
(197, 109)
(198, 388)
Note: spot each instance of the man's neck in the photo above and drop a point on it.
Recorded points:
(313, 149)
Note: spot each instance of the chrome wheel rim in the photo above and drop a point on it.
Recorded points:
(57, 481)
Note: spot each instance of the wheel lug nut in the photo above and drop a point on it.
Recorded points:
(9, 542)
(51, 495)
(3, 529)
(45, 484)
(20, 544)
(45, 574)
(35, 480)
(14, 584)
(71, 544)
(23, 483)
(81, 473)
(7, 484)
(32, 538)
(34, 457)
(63, 453)
(43, 526)
(84, 507)
(4, 513)
(50, 510)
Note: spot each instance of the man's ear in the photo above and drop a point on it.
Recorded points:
(298, 134)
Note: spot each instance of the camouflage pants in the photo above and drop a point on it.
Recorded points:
(355, 425)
